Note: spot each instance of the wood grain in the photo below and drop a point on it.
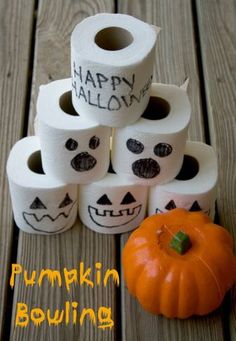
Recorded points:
(55, 22)
(16, 20)
(217, 27)
(175, 61)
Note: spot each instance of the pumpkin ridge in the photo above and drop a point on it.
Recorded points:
(214, 277)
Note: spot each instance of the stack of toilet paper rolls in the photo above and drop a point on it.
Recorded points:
(114, 135)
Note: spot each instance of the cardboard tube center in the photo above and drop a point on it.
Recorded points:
(189, 170)
(113, 38)
(66, 105)
(35, 162)
(157, 109)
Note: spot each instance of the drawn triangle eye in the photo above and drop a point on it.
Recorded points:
(195, 207)
(66, 201)
(37, 204)
(128, 199)
(104, 200)
(171, 205)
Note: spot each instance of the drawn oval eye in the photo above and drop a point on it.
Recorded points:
(94, 142)
(71, 144)
(66, 201)
(134, 146)
(162, 149)
(104, 200)
(37, 204)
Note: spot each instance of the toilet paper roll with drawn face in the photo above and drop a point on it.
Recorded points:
(151, 150)
(41, 204)
(112, 205)
(112, 57)
(194, 188)
(74, 149)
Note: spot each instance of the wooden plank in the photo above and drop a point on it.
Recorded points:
(175, 61)
(217, 27)
(56, 20)
(16, 18)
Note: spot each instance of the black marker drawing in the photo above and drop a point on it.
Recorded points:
(171, 205)
(119, 217)
(134, 146)
(37, 204)
(94, 142)
(66, 201)
(104, 200)
(162, 149)
(195, 207)
(71, 144)
(146, 168)
(44, 221)
(83, 162)
(128, 199)
(131, 214)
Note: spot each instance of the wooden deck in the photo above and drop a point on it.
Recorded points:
(198, 41)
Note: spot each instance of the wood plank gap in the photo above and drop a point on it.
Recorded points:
(202, 87)
(118, 289)
(30, 68)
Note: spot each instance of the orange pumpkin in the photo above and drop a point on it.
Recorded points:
(179, 285)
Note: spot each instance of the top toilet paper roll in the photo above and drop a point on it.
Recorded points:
(151, 150)
(194, 188)
(112, 58)
(41, 204)
(74, 149)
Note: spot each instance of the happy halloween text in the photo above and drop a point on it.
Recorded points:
(86, 78)
(71, 313)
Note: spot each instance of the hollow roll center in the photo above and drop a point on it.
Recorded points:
(113, 38)
(66, 105)
(35, 162)
(157, 109)
(189, 169)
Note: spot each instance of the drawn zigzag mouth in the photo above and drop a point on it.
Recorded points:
(26, 217)
(132, 213)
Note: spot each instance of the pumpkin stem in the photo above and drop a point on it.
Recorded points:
(181, 242)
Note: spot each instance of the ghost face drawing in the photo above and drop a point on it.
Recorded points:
(50, 217)
(109, 208)
(150, 151)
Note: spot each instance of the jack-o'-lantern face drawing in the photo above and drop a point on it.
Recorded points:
(83, 161)
(40, 220)
(117, 214)
(194, 207)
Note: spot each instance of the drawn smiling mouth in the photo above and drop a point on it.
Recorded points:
(43, 223)
(97, 216)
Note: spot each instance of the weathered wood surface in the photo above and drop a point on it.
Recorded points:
(16, 20)
(218, 48)
(176, 60)
(55, 22)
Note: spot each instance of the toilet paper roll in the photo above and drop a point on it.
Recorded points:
(112, 205)
(41, 204)
(112, 57)
(150, 151)
(195, 186)
(74, 149)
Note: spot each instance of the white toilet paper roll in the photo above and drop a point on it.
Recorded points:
(150, 151)
(74, 149)
(195, 186)
(41, 204)
(112, 58)
(112, 205)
